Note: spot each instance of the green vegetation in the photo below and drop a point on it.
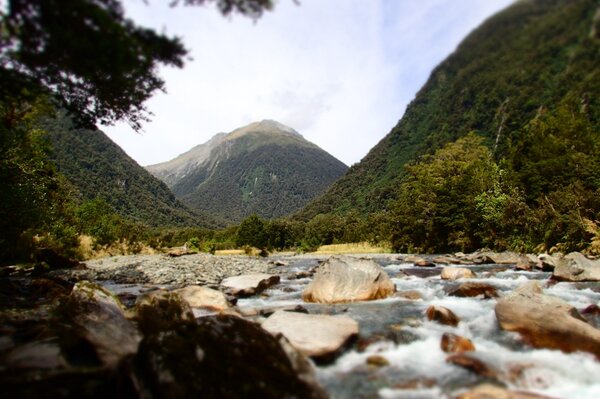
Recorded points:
(526, 83)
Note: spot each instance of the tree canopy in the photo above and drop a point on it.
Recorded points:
(88, 56)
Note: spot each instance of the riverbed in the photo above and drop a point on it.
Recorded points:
(396, 330)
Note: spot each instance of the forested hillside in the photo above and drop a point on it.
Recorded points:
(98, 168)
(265, 168)
(538, 57)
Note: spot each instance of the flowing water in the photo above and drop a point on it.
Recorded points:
(397, 329)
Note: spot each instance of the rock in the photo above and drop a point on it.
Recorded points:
(505, 258)
(446, 260)
(249, 284)
(423, 263)
(472, 363)
(92, 317)
(489, 391)
(35, 355)
(455, 273)
(203, 297)
(279, 263)
(576, 267)
(546, 262)
(545, 321)
(177, 252)
(528, 262)
(412, 295)
(377, 361)
(299, 275)
(318, 336)
(473, 289)
(346, 279)
(442, 315)
(160, 310)
(221, 357)
(452, 343)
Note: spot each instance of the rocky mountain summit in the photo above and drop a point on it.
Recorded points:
(265, 168)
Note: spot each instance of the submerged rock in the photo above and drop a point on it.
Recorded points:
(545, 321)
(317, 336)
(346, 279)
(203, 297)
(452, 343)
(576, 267)
(220, 357)
(442, 315)
(249, 284)
(473, 289)
(455, 273)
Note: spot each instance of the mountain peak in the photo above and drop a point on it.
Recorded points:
(266, 126)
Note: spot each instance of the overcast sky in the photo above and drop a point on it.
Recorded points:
(340, 72)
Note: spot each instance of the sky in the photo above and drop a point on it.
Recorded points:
(340, 72)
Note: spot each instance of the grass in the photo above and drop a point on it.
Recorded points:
(352, 248)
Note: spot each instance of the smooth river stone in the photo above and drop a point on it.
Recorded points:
(203, 297)
(347, 279)
(317, 336)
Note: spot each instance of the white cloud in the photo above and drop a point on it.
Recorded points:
(341, 72)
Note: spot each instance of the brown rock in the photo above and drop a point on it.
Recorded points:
(347, 279)
(455, 273)
(446, 260)
(473, 364)
(452, 343)
(473, 289)
(442, 315)
(545, 321)
(423, 263)
(203, 297)
(412, 295)
(377, 361)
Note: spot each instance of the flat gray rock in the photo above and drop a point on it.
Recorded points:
(312, 335)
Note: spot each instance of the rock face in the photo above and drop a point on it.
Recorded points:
(545, 321)
(576, 267)
(317, 336)
(454, 273)
(346, 279)
(249, 284)
(220, 357)
(203, 297)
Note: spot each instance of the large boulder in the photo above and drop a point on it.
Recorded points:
(576, 267)
(249, 284)
(203, 297)
(221, 357)
(92, 317)
(346, 279)
(317, 336)
(545, 321)
(455, 273)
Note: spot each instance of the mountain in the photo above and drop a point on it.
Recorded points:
(524, 61)
(264, 168)
(97, 167)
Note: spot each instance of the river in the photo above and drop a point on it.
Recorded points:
(397, 330)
